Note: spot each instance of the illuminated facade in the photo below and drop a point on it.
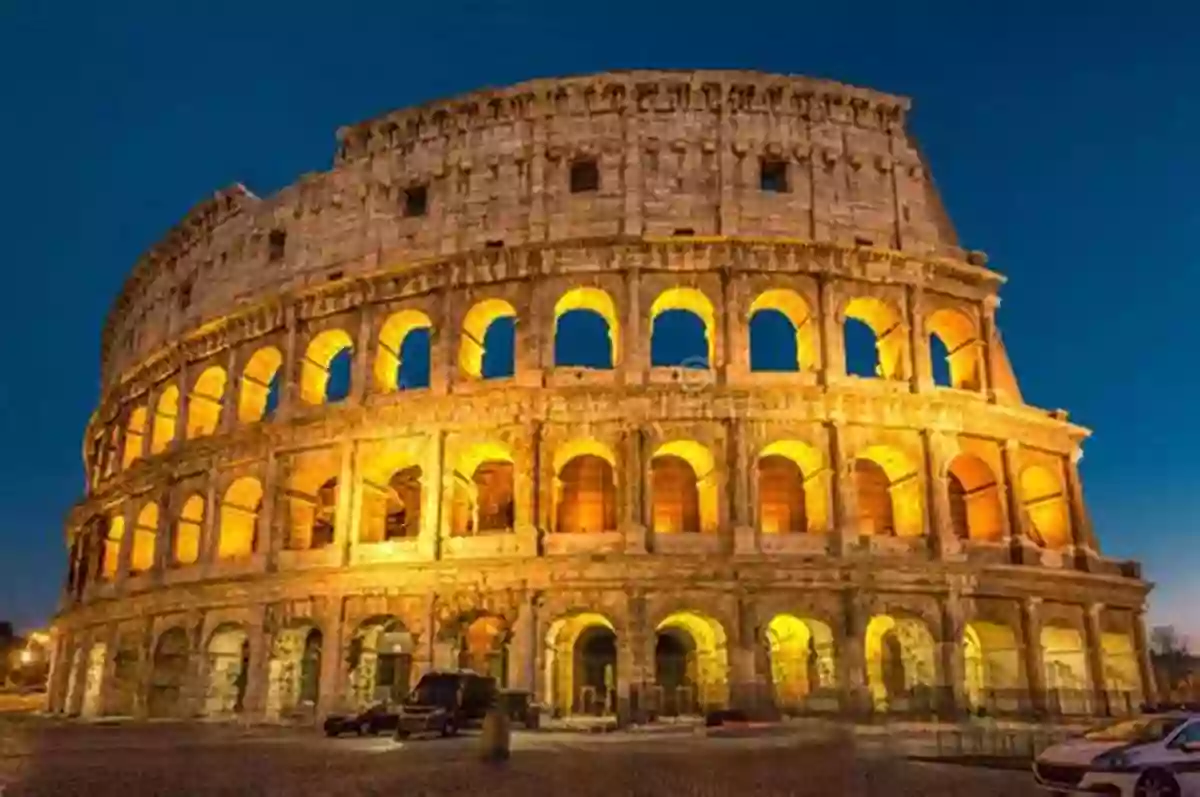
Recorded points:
(616, 533)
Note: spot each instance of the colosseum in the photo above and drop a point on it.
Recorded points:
(559, 382)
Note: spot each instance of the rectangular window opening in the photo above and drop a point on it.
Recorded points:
(773, 177)
(276, 245)
(585, 176)
(416, 201)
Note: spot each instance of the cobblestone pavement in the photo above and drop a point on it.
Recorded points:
(38, 758)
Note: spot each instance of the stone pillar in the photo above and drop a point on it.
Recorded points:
(987, 324)
(1031, 645)
(739, 474)
(345, 520)
(1023, 547)
(432, 505)
(851, 655)
(185, 400)
(1081, 523)
(210, 526)
(636, 343)
(289, 375)
(442, 350)
(1093, 633)
(633, 491)
(255, 702)
(523, 645)
(111, 637)
(920, 354)
(729, 318)
(745, 691)
(270, 538)
(635, 660)
(844, 491)
(1145, 665)
(145, 669)
(228, 419)
(832, 341)
(333, 659)
(953, 659)
(360, 362)
(938, 523)
(126, 552)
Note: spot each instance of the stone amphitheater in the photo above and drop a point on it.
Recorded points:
(615, 525)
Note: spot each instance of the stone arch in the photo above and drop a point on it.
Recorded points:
(684, 488)
(166, 411)
(585, 487)
(480, 640)
(318, 362)
(694, 302)
(483, 497)
(887, 326)
(135, 435)
(888, 488)
(992, 666)
(791, 306)
(145, 532)
(313, 493)
(957, 334)
(1045, 504)
(205, 401)
(392, 499)
(237, 534)
(379, 661)
(901, 661)
(1064, 657)
(169, 673)
(976, 512)
(260, 385)
(594, 303)
(801, 652)
(791, 493)
(228, 666)
(1122, 675)
(581, 664)
(475, 327)
(294, 670)
(110, 553)
(390, 361)
(189, 528)
(691, 663)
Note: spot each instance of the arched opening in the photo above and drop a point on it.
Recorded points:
(402, 511)
(901, 663)
(188, 528)
(392, 497)
(975, 510)
(586, 330)
(1122, 676)
(168, 676)
(166, 413)
(791, 490)
(585, 489)
(1064, 657)
(125, 680)
(683, 488)
(110, 554)
(888, 492)
(956, 353)
(135, 436)
(881, 353)
(228, 667)
(581, 665)
(992, 667)
(488, 340)
(313, 518)
(204, 403)
(690, 664)
(237, 535)
(482, 644)
(682, 330)
(260, 385)
(402, 362)
(145, 531)
(1045, 504)
(325, 370)
(783, 335)
(294, 672)
(483, 492)
(801, 652)
(380, 661)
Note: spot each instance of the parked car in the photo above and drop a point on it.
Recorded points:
(1157, 755)
(446, 702)
(379, 718)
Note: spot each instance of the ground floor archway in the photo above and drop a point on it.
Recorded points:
(380, 660)
(1064, 660)
(691, 664)
(901, 663)
(228, 666)
(801, 653)
(581, 665)
(294, 671)
(992, 668)
(1122, 675)
(168, 674)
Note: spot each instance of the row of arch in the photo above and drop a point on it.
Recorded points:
(790, 486)
(689, 666)
(783, 330)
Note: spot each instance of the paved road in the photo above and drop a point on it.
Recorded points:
(37, 758)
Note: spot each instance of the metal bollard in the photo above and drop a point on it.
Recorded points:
(497, 736)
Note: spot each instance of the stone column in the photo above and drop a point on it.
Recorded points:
(987, 322)
(333, 659)
(345, 520)
(1031, 644)
(210, 526)
(523, 645)
(1081, 523)
(844, 492)
(635, 343)
(272, 535)
(851, 655)
(1145, 665)
(289, 371)
(739, 480)
(255, 703)
(1023, 548)
(443, 364)
(433, 477)
(633, 491)
(920, 354)
(832, 342)
(228, 419)
(145, 670)
(1093, 633)
(108, 682)
(953, 659)
(729, 324)
(938, 522)
(745, 693)
(635, 660)
(360, 362)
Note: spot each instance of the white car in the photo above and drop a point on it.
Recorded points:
(1157, 755)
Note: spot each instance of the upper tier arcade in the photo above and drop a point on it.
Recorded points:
(702, 153)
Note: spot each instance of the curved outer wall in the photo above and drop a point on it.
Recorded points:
(797, 541)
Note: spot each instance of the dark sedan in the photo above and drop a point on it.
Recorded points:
(379, 718)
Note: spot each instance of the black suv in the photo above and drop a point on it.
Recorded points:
(445, 702)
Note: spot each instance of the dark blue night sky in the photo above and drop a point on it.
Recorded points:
(1064, 144)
